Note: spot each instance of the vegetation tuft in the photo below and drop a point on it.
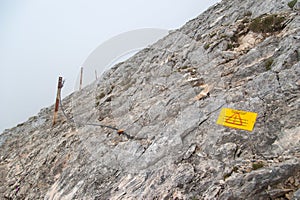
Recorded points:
(268, 64)
(267, 24)
(206, 46)
(291, 4)
(257, 165)
(230, 46)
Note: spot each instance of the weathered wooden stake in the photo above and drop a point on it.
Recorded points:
(59, 86)
(96, 75)
(81, 74)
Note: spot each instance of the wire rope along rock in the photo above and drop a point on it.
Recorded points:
(71, 120)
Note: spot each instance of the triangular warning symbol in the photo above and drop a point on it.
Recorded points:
(234, 119)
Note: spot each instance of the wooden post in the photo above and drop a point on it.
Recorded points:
(59, 86)
(81, 74)
(96, 75)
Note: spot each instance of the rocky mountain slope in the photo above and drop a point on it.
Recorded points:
(238, 54)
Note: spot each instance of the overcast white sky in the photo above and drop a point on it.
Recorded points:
(43, 39)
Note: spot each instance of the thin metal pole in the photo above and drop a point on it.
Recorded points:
(96, 75)
(59, 86)
(81, 74)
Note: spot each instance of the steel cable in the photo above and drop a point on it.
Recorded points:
(71, 120)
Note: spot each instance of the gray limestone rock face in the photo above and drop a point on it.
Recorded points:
(296, 195)
(147, 128)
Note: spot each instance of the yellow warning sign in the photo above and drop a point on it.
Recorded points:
(237, 119)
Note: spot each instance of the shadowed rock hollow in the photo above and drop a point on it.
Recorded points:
(238, 54)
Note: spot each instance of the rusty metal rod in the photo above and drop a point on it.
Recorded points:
(96, 75)
(59, 86)
(81, 74)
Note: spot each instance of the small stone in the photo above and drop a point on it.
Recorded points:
(291, 180)
(297, 182)
(190, 151)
